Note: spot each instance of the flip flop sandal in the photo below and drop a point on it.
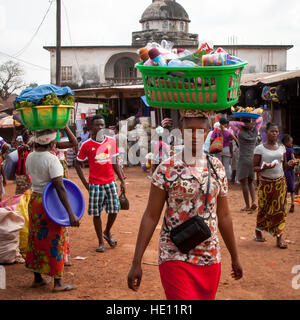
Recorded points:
(254, 207)
(282, 245)
(110, 240)
(66, 287)
(259, 239)
(101, 248)
(246, 209)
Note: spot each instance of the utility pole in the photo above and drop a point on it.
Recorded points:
(58, 42)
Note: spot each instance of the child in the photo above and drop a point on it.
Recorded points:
(287, 140)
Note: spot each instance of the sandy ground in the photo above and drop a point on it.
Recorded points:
(103, 276)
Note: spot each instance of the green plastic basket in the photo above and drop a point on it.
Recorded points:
(205, 88)
(46, 117)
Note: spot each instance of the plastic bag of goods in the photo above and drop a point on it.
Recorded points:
(10, 225)
(22, 208)
(19, 204)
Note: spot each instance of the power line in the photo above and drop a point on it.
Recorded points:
(20, 52)
(21, 60)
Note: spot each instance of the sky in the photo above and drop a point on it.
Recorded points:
(103, 22)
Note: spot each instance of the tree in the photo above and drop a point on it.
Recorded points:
(32, 85)
(11, 78)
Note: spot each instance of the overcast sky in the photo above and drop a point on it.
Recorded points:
(111, 22)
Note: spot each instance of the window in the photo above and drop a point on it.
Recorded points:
(271, 67)
(165, 25)
(124, 69)
(181, 26)
(66, 73)
(147, 26)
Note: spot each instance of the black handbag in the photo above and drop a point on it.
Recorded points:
(124, 203)
(194, 231)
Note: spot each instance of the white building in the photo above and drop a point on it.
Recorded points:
(90, 66)
(85, 67)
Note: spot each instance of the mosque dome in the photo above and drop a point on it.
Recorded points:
(165, 20)
(165, 10)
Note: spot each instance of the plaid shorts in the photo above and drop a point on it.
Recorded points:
(106, 196)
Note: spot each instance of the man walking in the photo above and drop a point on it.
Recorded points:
(101, 152)
(84, 135)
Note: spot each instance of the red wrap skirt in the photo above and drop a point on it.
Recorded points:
(185, 281)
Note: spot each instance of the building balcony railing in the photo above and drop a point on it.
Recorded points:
(124, 81)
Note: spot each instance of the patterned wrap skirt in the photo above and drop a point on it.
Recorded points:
(46, 241)
(66, 176)
(65, 167)
(272, 206)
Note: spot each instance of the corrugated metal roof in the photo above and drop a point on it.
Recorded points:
(253, 79)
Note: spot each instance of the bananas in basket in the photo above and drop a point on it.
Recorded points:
(247, 109)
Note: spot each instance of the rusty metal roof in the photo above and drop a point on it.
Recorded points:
(253, 79)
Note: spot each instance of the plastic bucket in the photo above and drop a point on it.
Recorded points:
(46, 117)
(205, 88)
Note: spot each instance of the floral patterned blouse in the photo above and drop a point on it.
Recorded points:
(186, 189)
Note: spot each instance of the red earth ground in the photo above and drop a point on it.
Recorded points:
(103, 276)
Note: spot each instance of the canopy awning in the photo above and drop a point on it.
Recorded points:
(9, 122)
(93, 94)
(253, 79)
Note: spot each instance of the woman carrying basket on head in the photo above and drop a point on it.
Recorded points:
(248, 131)
(187, 186)
(46, 239)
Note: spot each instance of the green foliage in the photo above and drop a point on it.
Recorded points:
(68, 100)
(48, 100)
(32, 85)
(24, 104)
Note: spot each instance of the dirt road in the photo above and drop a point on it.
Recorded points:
(102, 276)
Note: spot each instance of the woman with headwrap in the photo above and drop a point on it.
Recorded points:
(46, 239)
(23, 182)
(60, 148)
(186, 181)
(248, 130)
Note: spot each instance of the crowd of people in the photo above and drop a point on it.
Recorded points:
(190, 185)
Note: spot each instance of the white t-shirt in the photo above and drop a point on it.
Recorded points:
(42, 167)
(268, 156)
